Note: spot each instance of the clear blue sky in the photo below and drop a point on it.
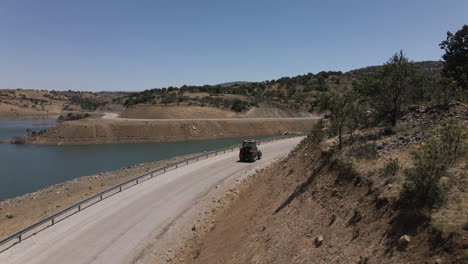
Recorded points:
(135, 45)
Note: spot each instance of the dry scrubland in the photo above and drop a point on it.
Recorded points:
(313, 207)
(42, 104)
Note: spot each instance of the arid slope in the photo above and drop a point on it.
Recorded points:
(313, 194)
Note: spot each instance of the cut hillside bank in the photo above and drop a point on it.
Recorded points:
(314, 207)
(99, 131)
(205, 112)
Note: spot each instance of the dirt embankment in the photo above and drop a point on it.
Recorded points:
(20, 212)
(186, 112)
(120, 131)
(303, 210)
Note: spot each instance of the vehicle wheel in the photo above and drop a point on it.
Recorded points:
(259, 155)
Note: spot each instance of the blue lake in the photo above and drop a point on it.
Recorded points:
(27, 168)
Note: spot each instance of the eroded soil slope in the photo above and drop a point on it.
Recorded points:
(120, 131)
(287, 209)
(187, 112)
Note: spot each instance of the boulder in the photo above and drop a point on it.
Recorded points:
(403, 242)
(318, 241)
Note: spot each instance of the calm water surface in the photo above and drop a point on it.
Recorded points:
(27, 168)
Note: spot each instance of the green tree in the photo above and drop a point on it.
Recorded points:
(387, 90)
(456, 57)
(340, 111)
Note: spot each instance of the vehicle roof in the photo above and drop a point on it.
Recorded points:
(249, 141)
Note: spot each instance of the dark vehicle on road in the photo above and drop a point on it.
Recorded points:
(249, 151)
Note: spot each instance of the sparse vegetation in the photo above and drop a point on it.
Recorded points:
(388, 90)
(390, 169)
(346, 170)
(317, 133)
(364, 150)
(356, 210)
(452, 136)
(71, 116)
(340, 109)
(422, 189)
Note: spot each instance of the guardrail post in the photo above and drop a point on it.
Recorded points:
(137, 181)
(164, 170)
(120, 188)
(53, 222)
(19, 237)
(176, 165)
(100, 196)
(187, 162)
(79, 208)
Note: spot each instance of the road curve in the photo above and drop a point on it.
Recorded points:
(109, 231)
(114, 116)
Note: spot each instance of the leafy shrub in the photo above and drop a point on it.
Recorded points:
(239, 105)
(85, 103)
(390, 169)
(422, 189)
(356, 210)
(71, 117)
(465, 226)
(364, 151)
(9, 216)
(452, 136)
(346, 170)
(317, 134)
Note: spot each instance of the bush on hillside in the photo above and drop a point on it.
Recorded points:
(317, 133)
(239, 105)
(452, 136)
(364, 151)
(71, 116)
(345, 169)
(422, 189)
(390, 169)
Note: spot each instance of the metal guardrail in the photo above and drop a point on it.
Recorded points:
(31, 230)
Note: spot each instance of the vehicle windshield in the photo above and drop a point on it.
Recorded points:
(249, 144)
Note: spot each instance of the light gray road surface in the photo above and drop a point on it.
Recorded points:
(114, 116)
(109, 231)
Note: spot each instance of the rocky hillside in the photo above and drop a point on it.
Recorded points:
(296, 93)
(20, 104)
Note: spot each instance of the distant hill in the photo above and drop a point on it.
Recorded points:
(296, 93)
(428, 68)
(229, 84)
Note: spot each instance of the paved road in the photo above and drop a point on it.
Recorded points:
(113, 116)
(109, 231)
